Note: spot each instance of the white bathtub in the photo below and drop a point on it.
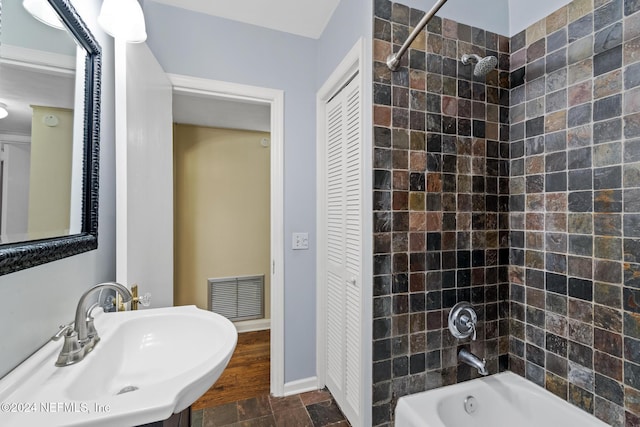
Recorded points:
(502, 400)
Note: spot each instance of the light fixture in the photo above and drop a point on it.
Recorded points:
(50, 120)
(123, 19)
(3, 110)
(43, 12)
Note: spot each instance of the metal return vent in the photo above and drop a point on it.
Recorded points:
(237, 298)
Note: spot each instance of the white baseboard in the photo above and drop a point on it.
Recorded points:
(252, 325)
(301, 386)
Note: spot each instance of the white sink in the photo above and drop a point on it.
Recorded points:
(148, 365)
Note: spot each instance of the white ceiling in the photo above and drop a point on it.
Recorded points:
(192, 109)
(302, 17)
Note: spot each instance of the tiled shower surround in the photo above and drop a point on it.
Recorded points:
(441, 235)
(575, 206)
(519, 192)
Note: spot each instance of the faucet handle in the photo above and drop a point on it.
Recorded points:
(144, 300)
(468, 322)
(64, 330)
(72, 350)
(472, 326)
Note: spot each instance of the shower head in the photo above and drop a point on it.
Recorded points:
(483, 65)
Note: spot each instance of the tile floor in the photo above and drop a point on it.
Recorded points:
(312, 409)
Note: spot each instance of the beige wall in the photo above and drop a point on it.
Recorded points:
(50, 172)
(221, 192)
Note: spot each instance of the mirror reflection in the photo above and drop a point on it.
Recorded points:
(41, 139)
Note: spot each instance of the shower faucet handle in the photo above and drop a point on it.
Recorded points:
(468, 322)
(473, 328)
(463, 320)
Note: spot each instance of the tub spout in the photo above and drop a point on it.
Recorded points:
(474, 361)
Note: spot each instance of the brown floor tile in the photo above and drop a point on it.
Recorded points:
(325, 413)
(293, 418)
(240, 398)
(316, 396)
(218, 416)
(196, 418)
(265, 421)
(254, 408)
(285, 403)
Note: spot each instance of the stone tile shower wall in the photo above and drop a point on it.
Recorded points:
(441, 161)
(575, 206)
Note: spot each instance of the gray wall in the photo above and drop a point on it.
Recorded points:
(350, 21)
(219, 49)
(209, 47)
(523, 13)
(39, 299)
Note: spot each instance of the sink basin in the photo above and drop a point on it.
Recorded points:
(147, 365)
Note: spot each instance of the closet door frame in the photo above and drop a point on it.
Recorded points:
(353, 64)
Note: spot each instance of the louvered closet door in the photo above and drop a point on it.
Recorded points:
(343, 183)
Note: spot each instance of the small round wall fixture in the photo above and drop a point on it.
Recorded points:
(264, 142)
(50, 120)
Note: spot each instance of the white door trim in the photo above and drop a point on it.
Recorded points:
(354, 62)
(275, 99)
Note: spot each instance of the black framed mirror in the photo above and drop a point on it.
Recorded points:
(19, 255)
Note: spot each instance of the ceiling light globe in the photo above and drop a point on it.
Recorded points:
(43, 12)
(123, 19)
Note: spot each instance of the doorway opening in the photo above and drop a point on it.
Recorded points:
(221, 208)
(228, 227)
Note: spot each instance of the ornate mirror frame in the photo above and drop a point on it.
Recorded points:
(22, 255)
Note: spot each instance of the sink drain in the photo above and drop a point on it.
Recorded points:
(127, 389)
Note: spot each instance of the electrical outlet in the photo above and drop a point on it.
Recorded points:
(300, 241)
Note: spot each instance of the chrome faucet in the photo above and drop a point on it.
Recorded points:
(474, 361)
(81, 336)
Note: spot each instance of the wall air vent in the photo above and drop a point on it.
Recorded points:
(237, 298)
